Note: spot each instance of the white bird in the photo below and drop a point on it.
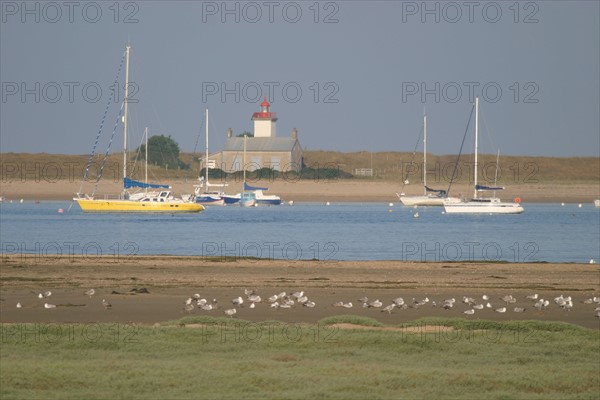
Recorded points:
(196, 296)
(297, 295)
(230, 312)
(338, 304)
(46, 305)
(447, 305)
(281, 295)
(40, 296)
(488, 305)
(90, 292)
(285, 305)
(302, 299)
(238, 301)
(375, 303)
(485, 297)
(509, 299)
(363, 299)
(588, 301)
(249, 292)
(532, 296)
(188, 307)
(416, 215)
(347, 305)
(309, 304)
(189, 301)
(201, 302)
(207, 307)
(469, 312)
(519, 309)
(19, 305)
(254, 298)
(389, 308)
(273, 298)
(275, 305)
(252, 305)
(478, 306)
(106, 304)
(468, 300)
(500, 310)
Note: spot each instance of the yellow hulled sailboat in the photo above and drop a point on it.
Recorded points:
(162, 201)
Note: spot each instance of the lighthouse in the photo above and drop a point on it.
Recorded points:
(264, 121)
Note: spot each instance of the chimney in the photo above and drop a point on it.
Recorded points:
(294, 133)
(229, 133)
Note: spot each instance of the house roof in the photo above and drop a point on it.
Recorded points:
(264, 144)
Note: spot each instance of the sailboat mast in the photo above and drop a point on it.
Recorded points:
(146, 176)
(244, 160)
(425, 154)
(476, 142)
(206, 156)
(126, 100)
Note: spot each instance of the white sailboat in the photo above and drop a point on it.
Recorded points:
(482, 205)
(430, 197)
(207, 196)
(247, 198)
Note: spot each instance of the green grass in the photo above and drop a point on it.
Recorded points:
(233, 359)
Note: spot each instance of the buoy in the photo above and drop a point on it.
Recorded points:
(60, 211)
(580, 205)
(517, 199)
(443, 212)
(327, 203)
(406, 182)
(391, 204)
(562, 204)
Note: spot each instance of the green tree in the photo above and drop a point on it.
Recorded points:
(246, 133)
(163, 151)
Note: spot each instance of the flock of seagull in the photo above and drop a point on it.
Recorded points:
(284, 300)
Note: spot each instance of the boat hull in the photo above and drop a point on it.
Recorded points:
(483, 208)
(426, 200)
(210, 200)
(128, 206)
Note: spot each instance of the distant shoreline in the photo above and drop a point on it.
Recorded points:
(313, 191)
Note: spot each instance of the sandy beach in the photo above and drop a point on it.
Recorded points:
(310, 190)
(171, 280)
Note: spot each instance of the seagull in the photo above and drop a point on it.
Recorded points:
(19, 305)
(90, 292)
(488, 305)
(281, 295)
(273, 298)
(309, 304)
(500, 310)
(339, 304)
(375, 303)
(532, 297)
(238, 301)
(207, 307)
(416, 215)
(389, 308)
(285, 305)
(40, 296)
(302, 299)
(469, 312)
(188, 307)
(509, 299)
(478, 306)
(201, 302)
(297, 295)
(448, 304)
(364, 299)
(485, 297)
(231, 312)
(588, 301)
(468, 300)
(252, 305)
(519, 309)
(196, 296)
(249, 292)
(47, 294)
(189, 301)
(347, 305)
(46, 305)
(275, 305)
(254, 298)
(106, 304)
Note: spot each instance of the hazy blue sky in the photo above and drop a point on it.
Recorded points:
(361, 68)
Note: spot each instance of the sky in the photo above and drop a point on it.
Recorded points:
(348, 75)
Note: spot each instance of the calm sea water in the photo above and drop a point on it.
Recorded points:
(344, 231)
